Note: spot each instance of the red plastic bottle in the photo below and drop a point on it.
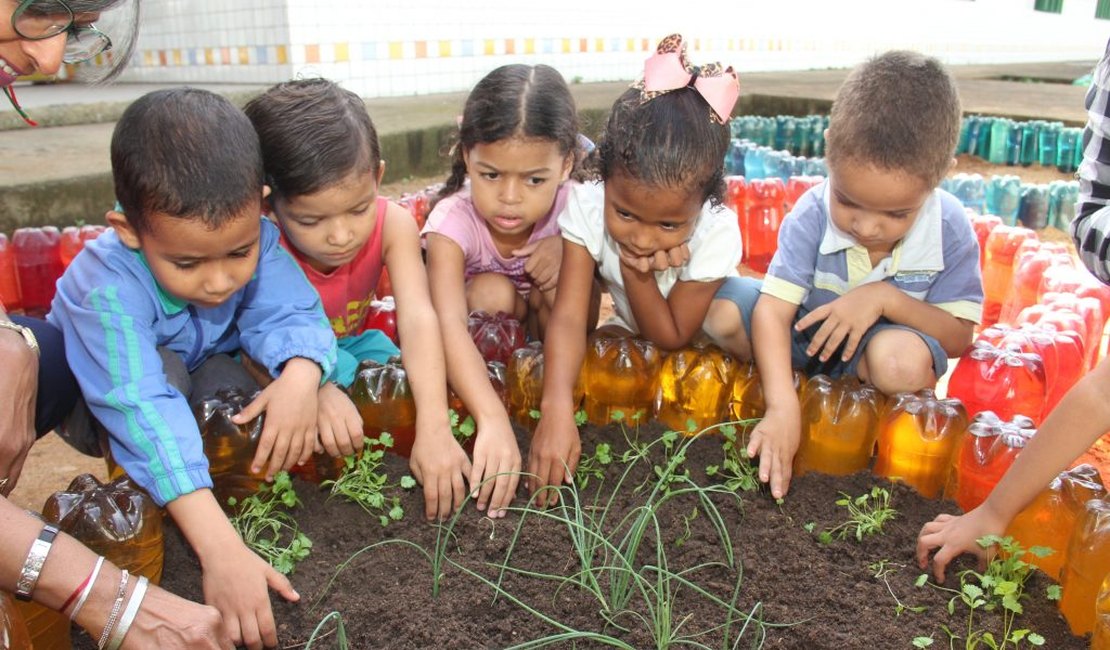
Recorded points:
(383, 317)
(983, 224)
(39, 263)
(9, 278)
(496, 336)
(759, 226)
(1029, 268)
(1002, 245)
(73, 240)
(736, 197)
(986, 453)
(796, 187)
(1087, 308)
(1004, 380)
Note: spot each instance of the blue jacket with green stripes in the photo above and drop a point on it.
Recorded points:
(115, 317)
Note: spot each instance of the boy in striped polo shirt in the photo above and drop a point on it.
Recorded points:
(877, 270)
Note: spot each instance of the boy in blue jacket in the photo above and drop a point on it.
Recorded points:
(190, 274)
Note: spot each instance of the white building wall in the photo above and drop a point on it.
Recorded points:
(404, 47)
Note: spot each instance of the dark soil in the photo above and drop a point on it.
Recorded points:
(799, 592)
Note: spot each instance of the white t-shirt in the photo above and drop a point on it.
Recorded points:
(715, 247)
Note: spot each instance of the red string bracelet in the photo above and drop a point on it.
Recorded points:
(76, 592)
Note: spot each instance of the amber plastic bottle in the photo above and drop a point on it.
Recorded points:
(229, 447)
(840, 421)
(382, 395)
(1087, 564)
(619, 373)
(694, 388)
(918, 439)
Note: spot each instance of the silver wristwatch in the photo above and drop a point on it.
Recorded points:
(26, 332)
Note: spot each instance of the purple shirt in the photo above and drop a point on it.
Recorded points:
(456, 219)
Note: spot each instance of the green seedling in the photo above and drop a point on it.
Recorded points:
(592, 466)
(867, 514)
(1000, 588)
(881, 570)
(737, 472)
(362, 482)
(267, 528)
(464, 430)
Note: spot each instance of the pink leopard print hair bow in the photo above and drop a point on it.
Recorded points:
(669, 70)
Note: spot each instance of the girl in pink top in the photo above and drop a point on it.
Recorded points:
(323, 164)
(494, 244)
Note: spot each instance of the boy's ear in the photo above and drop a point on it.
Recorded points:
(126, 233)
(381, 172)
(266, 191)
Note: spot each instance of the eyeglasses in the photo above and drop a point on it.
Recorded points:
(37, 20)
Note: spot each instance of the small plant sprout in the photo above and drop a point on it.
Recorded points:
(592, 466)
(272, 533)
(737, 472)
(363, 483)
(1000, 587)
(867, 514)
(464, 430)
(881, 570)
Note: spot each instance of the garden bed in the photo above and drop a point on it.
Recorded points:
(785, 589)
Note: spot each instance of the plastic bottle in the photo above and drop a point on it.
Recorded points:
(1030, 140)
(13, 629)
(39, 264)
(1086, 566)
(1004, 197)
(694, 387)
(1002, 244)
(383, 317)
(1069, 142)
(736, 196)
(620, 373)
(1033, 209)
(9, 278)
(984, 456)
(117, 520)
(796, 187)
(746, 399)
(1101, 638)
(229, 447)
(840, 422)
(918, 438)
(495, 335)
(384, 399)
(753, 162)
(524, 378)
(48, 629)
(983, 224)
(1030, 262)
(1004, 380)
(971, 190)
(73, 240)
(1062, 198)
(1051, 517)
(1046, 145)
(999, 141)
(760, 224)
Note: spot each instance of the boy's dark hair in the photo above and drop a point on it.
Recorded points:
(515, 100)
(669, 141)
(898, 111)
(187, 153)
(314, 134)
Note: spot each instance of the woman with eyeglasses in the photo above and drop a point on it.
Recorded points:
(37, 391)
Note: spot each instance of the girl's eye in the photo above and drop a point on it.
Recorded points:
(490, 176)
(623, 215)
(536, 180)
(668, 226)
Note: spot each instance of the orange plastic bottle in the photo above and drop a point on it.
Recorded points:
(1002, 243)
(524, 379)
(619, 373)
(9, 278)
(13, 629)
(918, 438)
(383, 398)
(1050, 519)
(746, 401)
(229, 447)
(840, 421)
(1101, 638)
(984, 456)
(117, 520)
(48, 630)
(1087, 564)
(694, 387)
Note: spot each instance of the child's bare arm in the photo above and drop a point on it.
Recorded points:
(437, 461)
(495, 451)
(289, 432)
(1073, 426)
(850, 316)
(775, 439)
(555, 449)
(235, 578)
(669, 322)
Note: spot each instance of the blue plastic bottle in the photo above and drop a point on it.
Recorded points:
(1003, 197)
(1013, 145)
(1046, 146)
(1066, 145)
(1033, 209)
(1030, 140)
(1062, 197)
(999, 140)
(753, 162)
(971, 190)
(784, 132)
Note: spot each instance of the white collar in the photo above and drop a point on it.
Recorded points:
(921, 249)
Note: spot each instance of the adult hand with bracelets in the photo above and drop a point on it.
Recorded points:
(37, 391)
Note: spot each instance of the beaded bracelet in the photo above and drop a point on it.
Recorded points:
(32, 566)
(103, 642)
(129, 613)
(89, 582)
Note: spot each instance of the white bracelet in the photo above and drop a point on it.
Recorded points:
(32, 566)
(87, 590)
(103, 642)
(129, 613)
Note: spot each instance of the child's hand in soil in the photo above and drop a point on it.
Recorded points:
(957, 535)
(236, 582)
(775, 440)
(289, 434)
(553, 456)
(339, 422)
(439, 463)
(496, 470)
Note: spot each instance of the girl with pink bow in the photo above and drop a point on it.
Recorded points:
(654, 227)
